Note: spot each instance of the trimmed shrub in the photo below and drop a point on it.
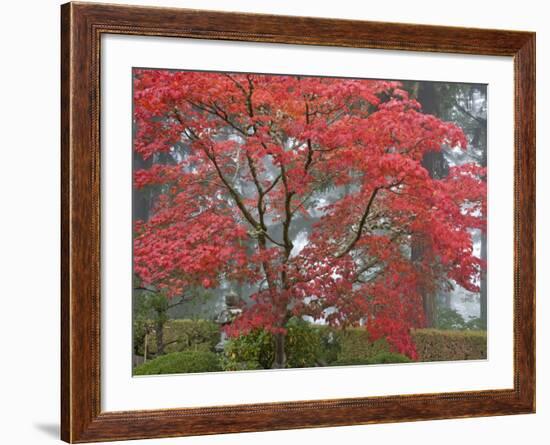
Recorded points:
(355, 347)
(383, 357)
(441, 345)
(184, 335)
(388, 357)
(180, 362)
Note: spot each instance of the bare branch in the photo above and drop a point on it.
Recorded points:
(463, 110)
(236, 196)
(358, 234)
(273, 184)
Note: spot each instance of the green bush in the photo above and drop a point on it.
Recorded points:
(355, 347)
(256, 350)
(476, 324)
(180, 362)
(251, 351)
(330, 347)
(448, 345)
(380, 358)
(184, 335)
(302, 345)
(149, 311)
(388, 357)
(308, 345)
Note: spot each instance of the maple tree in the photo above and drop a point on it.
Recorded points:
(255, 156)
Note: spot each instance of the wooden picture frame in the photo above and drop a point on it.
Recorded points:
(82, 25)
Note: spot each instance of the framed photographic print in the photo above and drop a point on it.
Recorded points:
(278, 222)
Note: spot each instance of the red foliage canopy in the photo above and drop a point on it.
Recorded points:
(258, 154)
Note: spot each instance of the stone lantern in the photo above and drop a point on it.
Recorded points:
(230, 311)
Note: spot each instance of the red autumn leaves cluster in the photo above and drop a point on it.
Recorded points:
(258, 153)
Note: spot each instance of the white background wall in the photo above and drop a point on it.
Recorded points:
(29, 219)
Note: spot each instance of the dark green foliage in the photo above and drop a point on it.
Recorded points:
(151, 306)
(437, 345)
(450, 319)
(182, 335)
(252, 351)
(383, 357)
(149, 314)
(303, 344)
(476, 324)
(257, 350)
(141, 327)
(330, 347)
(389, 357)
(308, 345)
(180, 362)
(154, 314)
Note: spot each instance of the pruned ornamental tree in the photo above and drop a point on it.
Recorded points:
(309, 190)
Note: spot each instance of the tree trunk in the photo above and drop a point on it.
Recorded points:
(483, 290)
(145, 347)
(418, 250)
(142, 198)
(430, 308)
(160, 338)
(438, 168)
(279, 360)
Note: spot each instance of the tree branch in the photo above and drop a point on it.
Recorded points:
(273, 184)
(215, 110)
(260, 202)
(237, 198)
(288, 218)
(308, 142)
(260, 225)
(363, 220)
(463, 110)
(357, 236)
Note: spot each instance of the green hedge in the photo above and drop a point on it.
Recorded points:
(355, 347)
(431, 345)
(315, 345)
(183, 335)
(439, 345)
(180, 362)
